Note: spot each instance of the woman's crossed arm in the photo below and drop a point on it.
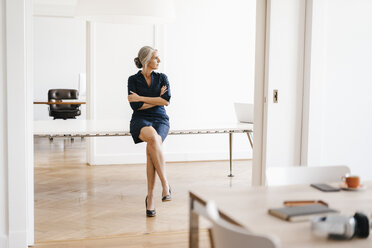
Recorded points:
(149, 102)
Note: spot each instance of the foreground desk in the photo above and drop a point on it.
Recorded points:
(106, 128)
(248, 208)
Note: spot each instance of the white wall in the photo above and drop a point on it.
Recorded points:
(59, 57)
(285, 73)
(210, 61)
(208, 55)
(116, 46)
(3, 140)
(346, 135)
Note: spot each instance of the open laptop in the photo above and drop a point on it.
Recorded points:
(244, 112)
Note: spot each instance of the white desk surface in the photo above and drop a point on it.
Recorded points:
(120, 127)
(249, 206)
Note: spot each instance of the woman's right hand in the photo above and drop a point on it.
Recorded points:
(133, 97)
(163, 90)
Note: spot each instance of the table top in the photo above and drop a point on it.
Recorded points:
(121, 127)
(249, 207)
(66, 102)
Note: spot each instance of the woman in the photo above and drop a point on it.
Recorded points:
(148, 93)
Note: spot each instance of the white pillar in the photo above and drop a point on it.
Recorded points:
(90, 86)
(19, 142)
(3, 137)
(258, 168)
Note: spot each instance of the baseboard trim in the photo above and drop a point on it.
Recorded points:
(3, 241)
(17, 239)
(139, 158)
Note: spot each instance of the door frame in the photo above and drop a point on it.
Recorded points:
(260, 88)
(262, 95)
(19, 84)
(20, 114)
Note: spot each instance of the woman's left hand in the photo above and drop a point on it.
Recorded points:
(163, 90)
(133, 97)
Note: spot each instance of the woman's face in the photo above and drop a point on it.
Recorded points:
(154, 61)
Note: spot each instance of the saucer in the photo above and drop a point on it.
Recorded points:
(345, 187)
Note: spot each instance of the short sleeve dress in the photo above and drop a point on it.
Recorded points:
(155, 116)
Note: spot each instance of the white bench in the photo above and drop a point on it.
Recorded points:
(107, 128)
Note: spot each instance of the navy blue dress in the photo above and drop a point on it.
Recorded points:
(155, 116)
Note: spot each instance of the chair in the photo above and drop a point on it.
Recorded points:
(227, 235)
(276, 176)
(63, 111)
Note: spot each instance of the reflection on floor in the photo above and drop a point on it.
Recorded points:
(74, 201)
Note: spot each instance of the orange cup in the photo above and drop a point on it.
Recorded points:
(351, 181)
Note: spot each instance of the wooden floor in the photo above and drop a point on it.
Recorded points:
(77, 205)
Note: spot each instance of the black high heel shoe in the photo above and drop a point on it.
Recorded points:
(167, 197)
(149, 213)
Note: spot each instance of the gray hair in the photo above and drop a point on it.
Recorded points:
(144, 56)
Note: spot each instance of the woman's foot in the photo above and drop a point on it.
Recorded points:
(149, 213)
(168, 195)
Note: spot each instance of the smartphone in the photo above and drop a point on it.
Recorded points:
(324, 187)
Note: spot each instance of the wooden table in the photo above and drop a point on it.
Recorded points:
(107, 128)
(69, 102)
(248, 207)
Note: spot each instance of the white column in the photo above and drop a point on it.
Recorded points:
(258, 168)
(90, 85)
(315, 66)
(29, 138)
(19, 122)
(3, 136)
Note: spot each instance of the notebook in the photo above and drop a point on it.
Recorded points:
(301, 213)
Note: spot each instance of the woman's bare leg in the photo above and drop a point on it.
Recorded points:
(150, 171)
(154, 146)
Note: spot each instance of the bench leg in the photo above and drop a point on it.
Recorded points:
(193, 227)
(249, 134)
(230, 153)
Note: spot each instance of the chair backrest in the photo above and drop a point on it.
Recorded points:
(63, 94)
(63, 111)
(227, 235)
(60, 94)
(305, 175)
